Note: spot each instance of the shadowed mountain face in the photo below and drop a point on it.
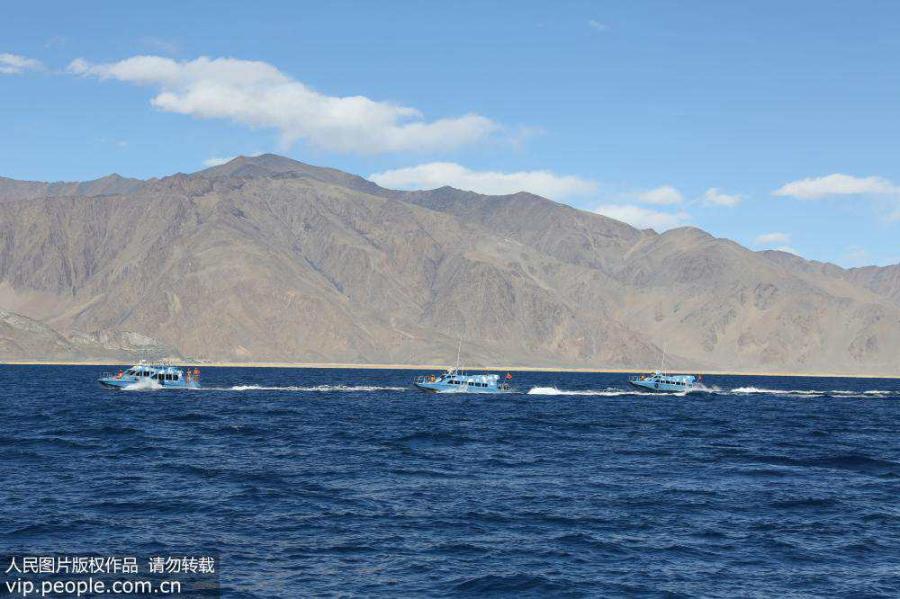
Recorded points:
(268, 259)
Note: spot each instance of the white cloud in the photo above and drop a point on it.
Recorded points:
(259, 95)
(788, 249)
(13, 64)
(643, 218)
(768, 239)
(715, 197)
(775, 241)
(218, 160)
(661, 196)
(438, 174)
(597, 25)
(836, 184)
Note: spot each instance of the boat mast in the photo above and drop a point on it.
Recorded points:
(458, 352)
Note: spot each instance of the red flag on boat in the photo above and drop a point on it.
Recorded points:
(508, 376)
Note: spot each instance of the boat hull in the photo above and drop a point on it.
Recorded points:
(444, 388)
(124, 382)
(661, 387)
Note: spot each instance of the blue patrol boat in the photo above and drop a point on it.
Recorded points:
(659, 381)
(153, 376)
(454, 381)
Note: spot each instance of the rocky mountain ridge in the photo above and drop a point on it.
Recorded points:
(269, 259)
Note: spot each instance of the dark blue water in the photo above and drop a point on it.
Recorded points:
(341, 482)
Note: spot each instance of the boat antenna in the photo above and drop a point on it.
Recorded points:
(458, 352)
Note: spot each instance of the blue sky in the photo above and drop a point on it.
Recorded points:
(775, 124)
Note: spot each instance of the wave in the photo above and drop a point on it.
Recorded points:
(143, 385)
(315, 389)
(812, 392)
(714, 390)
(592, 392)
(749, 390)
(707, 389)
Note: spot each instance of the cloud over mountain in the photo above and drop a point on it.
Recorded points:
(439, 174)
(257, 94)
(644, 218)
(770, 238)
(661, 196)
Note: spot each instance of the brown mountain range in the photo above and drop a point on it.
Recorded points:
(269, 259)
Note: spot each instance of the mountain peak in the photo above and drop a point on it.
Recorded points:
(255, 166)
(273, 165)
(687, 232)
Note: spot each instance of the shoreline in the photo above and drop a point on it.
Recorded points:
(350, 366)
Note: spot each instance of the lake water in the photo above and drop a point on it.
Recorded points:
(349, 482)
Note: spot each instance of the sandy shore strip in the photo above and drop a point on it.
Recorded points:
(441, 367)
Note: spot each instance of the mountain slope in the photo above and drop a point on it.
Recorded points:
(266, 259)
(884, 281)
